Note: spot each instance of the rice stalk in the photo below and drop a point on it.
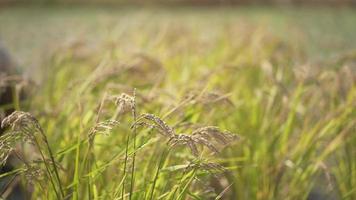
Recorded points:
(126, 102)
(134, 114)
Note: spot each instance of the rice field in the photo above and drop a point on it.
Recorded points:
(186, 103)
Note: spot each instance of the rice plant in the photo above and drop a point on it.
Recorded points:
(185, 108)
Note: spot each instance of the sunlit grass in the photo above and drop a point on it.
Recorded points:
(295, 119)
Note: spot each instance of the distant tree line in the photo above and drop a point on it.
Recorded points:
(192, 2)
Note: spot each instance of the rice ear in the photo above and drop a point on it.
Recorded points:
(193, 148)
(200, 137)
(103, 127)
(209, 132)
(208, 144)
(159, 123)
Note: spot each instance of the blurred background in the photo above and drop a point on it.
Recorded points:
(198, 2)
(32, 29)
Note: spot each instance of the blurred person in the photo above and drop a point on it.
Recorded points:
(10, 187)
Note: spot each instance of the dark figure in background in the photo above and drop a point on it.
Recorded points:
(10, 187)
(6, 68)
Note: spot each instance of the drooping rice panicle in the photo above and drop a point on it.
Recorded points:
(103, 127)
(210, 132)
(200, 137)
(22, 123)
(160, 124)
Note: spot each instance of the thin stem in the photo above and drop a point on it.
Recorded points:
(89, 156)
(125, 165)
(160, 165)
(89, 163)
(54, 162)
(134, 145)
(8, 184)
(21, 158)
(47, 168)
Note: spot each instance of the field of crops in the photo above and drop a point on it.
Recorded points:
(186, 103)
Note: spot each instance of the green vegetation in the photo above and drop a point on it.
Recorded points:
(289, 110)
